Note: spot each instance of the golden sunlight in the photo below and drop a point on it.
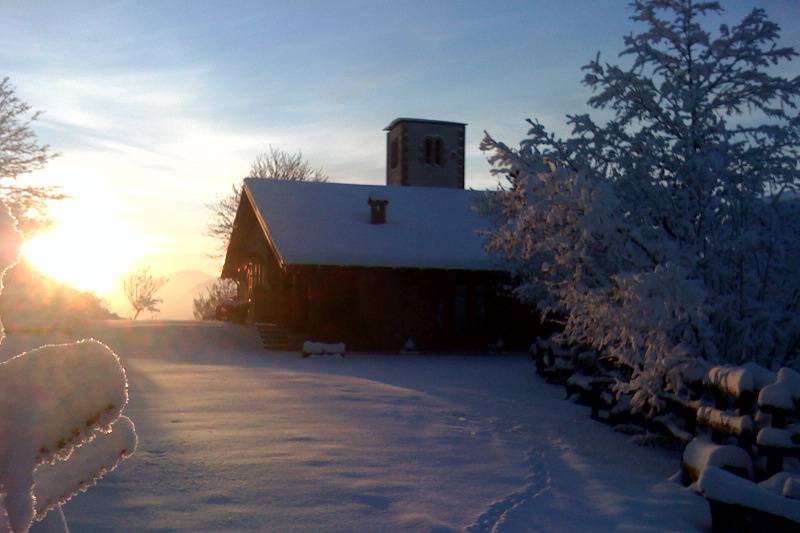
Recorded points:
(91, 254)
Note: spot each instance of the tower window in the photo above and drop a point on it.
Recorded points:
(434, 151)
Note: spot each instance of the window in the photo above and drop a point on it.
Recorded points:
(395, 153)
(434, 151)
(438, 151)
(256, 274)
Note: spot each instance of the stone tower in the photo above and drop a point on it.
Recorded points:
(421, 152)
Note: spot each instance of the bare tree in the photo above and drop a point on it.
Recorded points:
(140, 288)
(21, 153)
(279, 165)
(273, 164)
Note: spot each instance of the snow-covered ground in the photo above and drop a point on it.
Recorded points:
(233, 438)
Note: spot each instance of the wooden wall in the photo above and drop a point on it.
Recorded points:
(379, 308)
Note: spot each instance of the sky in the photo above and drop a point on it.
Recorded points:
(156, 108)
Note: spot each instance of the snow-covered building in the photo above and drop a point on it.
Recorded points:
(374, 265)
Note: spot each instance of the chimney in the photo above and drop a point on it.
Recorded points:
(423, 152)
(377, 210)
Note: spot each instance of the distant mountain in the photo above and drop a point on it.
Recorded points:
(179, 291)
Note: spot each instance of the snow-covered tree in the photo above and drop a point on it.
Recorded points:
(272, 164)
(21, 153)
(663, 234)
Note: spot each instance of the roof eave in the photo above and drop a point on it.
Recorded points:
(263, 225)
(228, 271)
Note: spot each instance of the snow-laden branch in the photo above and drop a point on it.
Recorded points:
(60, 425)
(57, 482)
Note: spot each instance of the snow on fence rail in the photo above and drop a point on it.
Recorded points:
(735, 501)
(735, 380)
(700, 454)
(726, 415)
(783, 394)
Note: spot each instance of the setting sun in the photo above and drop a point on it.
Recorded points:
(89, 254)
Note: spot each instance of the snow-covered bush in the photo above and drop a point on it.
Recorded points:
(663, 236)
(60, 424)
(205, 306)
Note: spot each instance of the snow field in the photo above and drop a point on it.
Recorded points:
(233, 438)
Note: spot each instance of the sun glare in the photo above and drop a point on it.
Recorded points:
(87, 254)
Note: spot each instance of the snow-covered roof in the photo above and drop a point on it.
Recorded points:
(311, 223)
